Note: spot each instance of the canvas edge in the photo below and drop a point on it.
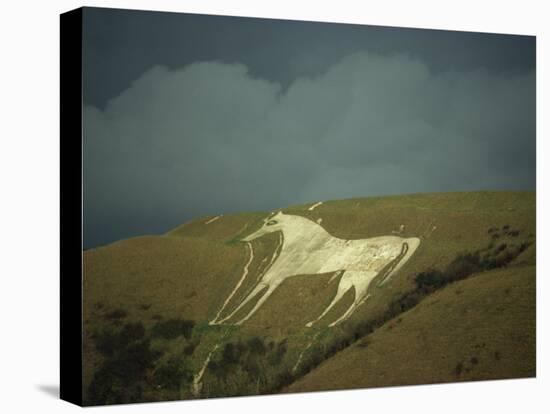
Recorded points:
(71, 206)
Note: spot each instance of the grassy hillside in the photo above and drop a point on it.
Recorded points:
(149, 299)
(479, 328)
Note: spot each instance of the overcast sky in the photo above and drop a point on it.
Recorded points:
(189, 115)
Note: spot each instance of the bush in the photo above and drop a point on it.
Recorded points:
(172, 328)
(116, 314)
(173, 374)
(107, 342)
(133, 331)
(256, 346)
(458, 369)
(189, 349)
(284, 378)
(430, 280)
(464, 265)
(252, 367)
(230, 354)
(276, 357)
(122, 377)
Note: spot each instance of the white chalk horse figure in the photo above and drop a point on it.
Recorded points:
(308, 249)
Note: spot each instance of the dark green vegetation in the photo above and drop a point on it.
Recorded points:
(251, 367)
(134, 368)
(463, 307)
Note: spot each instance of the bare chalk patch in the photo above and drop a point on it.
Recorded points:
(212, 220)
(314, 206)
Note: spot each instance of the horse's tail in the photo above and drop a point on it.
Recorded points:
(408, 248)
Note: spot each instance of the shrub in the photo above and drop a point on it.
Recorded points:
(278, 354)
(256, 346)
(107, 342)
(230, 354)
(464, 265)
(122, 377)
(190, 348)
(458, 369)
(173, 373)
(132, 331)
(116, 314)
(172, 328)
(252, 367)
(284, 378)
(430, 280)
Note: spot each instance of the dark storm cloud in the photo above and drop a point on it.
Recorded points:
(214, 137)
(120, 45)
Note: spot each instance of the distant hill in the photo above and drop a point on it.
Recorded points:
(461, 308)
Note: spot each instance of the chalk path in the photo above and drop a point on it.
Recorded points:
(243, 277)
(304, 351)
(197, 384)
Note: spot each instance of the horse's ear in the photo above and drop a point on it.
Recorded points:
(271, 215)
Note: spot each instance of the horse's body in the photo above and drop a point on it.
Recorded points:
(308, 249)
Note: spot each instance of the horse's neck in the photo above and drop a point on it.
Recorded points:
(300, 234)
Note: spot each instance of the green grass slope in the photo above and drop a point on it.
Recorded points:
(148, 300)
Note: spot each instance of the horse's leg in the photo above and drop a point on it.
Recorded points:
(259, 303)
(343, 287)
(259, 287)
(361, 282)
(350, 310)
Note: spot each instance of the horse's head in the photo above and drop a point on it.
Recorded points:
(271, 224)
